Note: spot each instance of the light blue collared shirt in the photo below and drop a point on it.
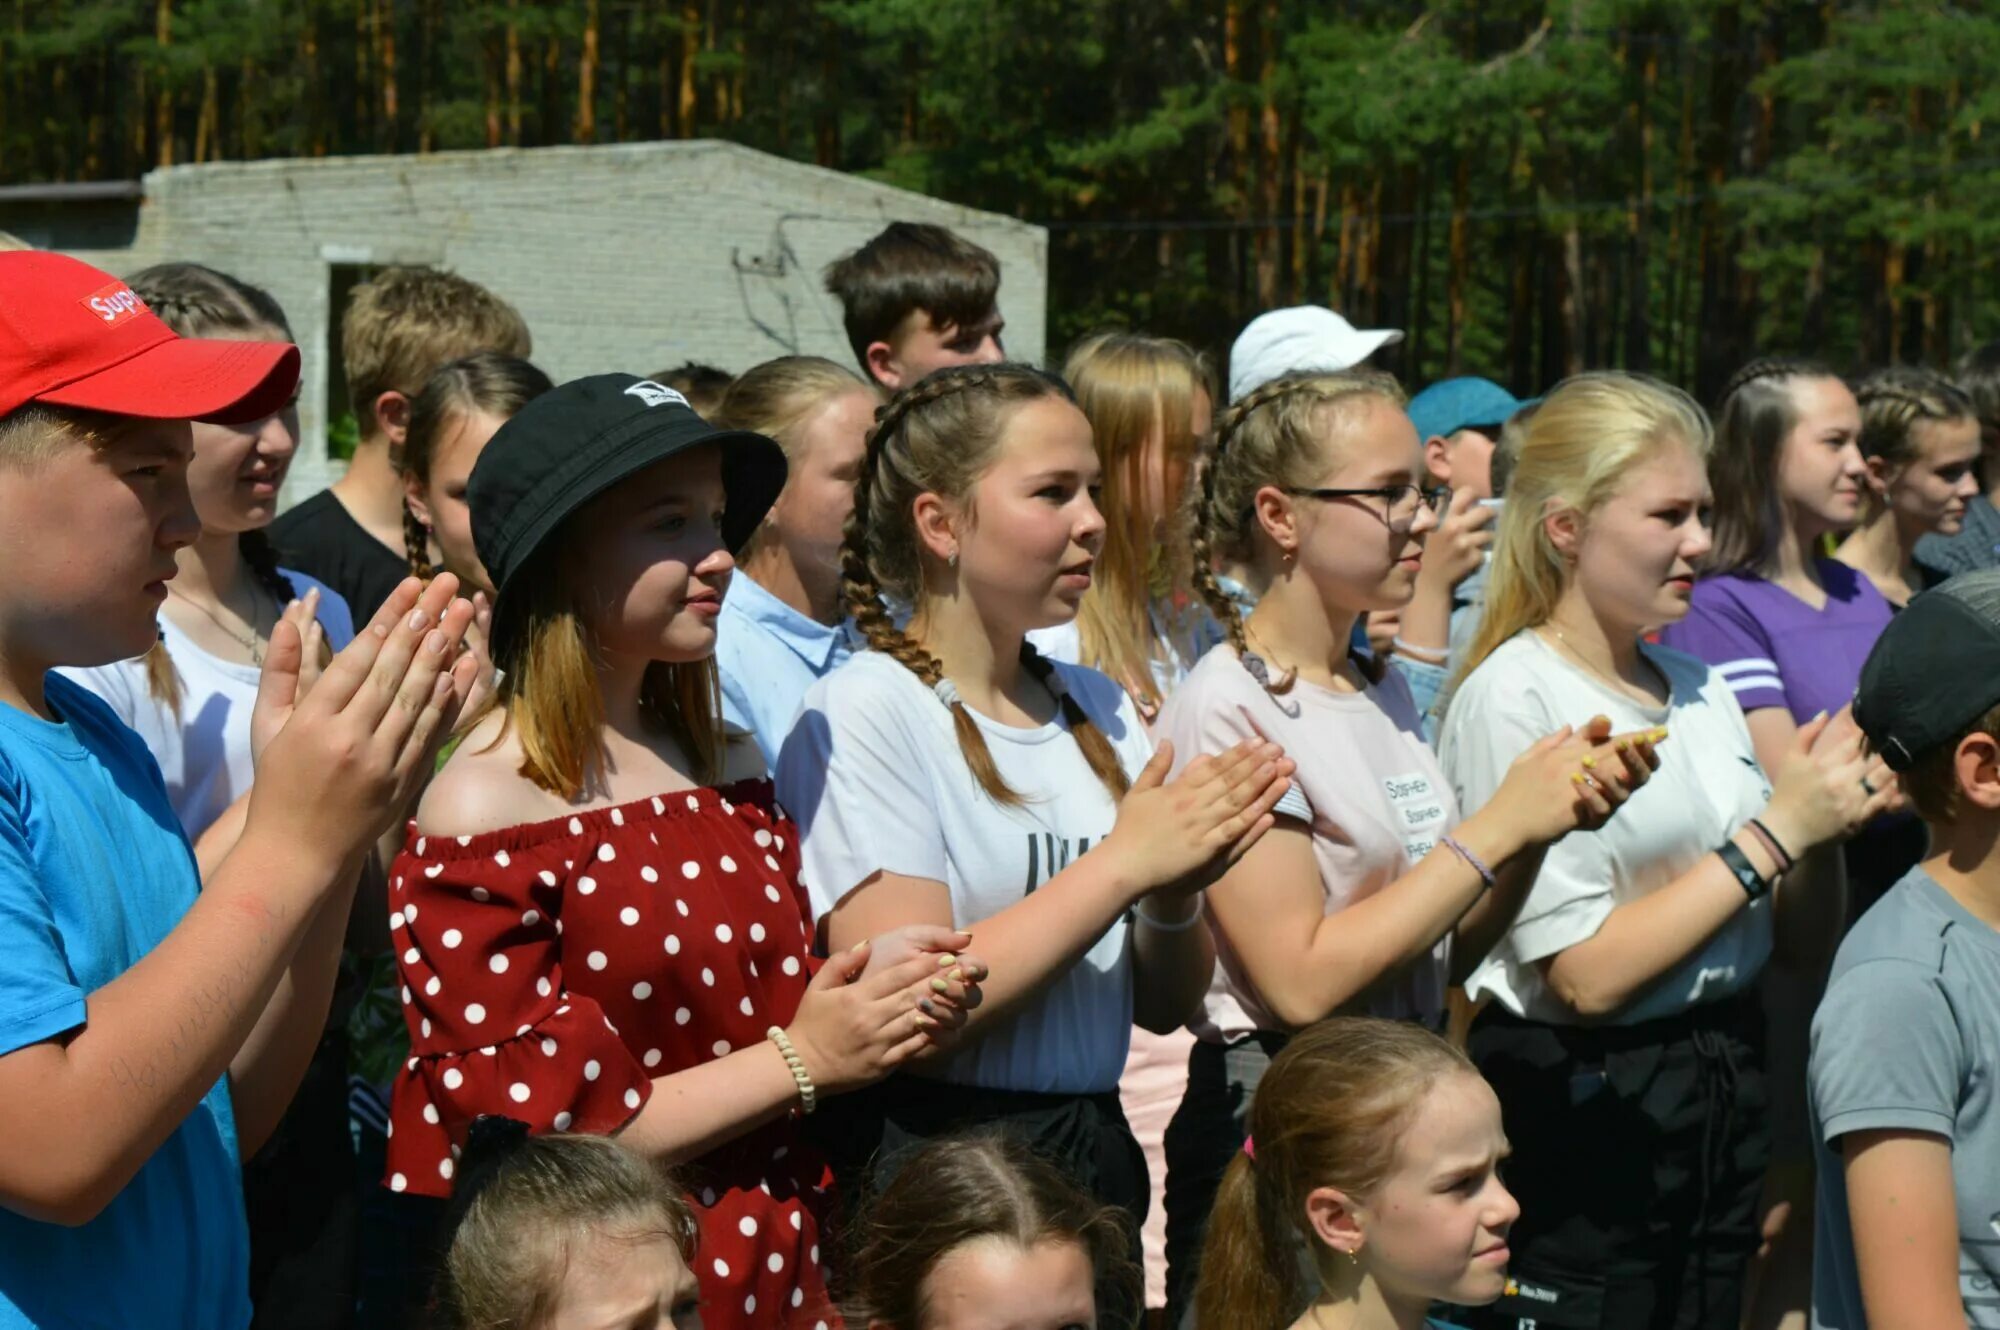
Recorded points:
(769, 654)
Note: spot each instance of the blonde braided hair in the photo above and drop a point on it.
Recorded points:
(938, 437)
(1895, 399)
(1274, 435)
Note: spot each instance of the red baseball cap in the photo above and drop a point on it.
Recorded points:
(73, 336)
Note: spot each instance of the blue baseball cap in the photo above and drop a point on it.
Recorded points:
(1451, 405)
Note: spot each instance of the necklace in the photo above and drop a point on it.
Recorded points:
(1618, 685)
(253, 643)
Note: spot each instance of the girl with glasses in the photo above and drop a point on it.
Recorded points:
(1371, 894)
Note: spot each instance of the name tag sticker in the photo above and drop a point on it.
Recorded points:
(1420, 813)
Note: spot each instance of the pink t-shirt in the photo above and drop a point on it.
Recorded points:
(1368, 786)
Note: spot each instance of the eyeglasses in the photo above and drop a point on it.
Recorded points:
(1401, 503)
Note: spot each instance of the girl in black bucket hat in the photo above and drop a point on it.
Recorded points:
(597, 913)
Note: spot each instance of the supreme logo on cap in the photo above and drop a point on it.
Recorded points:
(113, 303)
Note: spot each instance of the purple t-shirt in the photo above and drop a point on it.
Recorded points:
(1777, 651)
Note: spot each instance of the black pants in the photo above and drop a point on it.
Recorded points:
(870, 1134)
(1639, 1153)
(1207, 1132)
(298, 1194)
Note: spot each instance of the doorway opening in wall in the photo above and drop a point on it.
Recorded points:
(343, 432)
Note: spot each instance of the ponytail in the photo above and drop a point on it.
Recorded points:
(1250, 1274)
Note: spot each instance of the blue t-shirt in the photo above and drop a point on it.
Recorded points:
(94, 872)
(768, 655)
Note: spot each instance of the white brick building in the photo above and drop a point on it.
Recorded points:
(631, 257)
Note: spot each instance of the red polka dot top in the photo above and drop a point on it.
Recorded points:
(551, 971)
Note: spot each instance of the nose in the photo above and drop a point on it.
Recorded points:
(990, 351)
(1427, 520)
(1852, 464)
(179, 528)
(277, 440)
(1698, 541)
(1090, 526)
(1968, 485)
(1507, 1210)
(718, 562)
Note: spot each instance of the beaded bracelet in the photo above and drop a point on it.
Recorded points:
(1473, 861)
(1160, 926)
(808, 1097)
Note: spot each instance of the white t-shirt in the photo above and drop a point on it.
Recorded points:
(204, 751)
(1367, 786)
(875, 778)
(1707, 787)
(1185, 635)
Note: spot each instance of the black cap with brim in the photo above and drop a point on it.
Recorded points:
(1934, 670)
(575, 442)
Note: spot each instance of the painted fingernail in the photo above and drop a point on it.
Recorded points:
(940, 986)
(946, 961)
(924, 1005)
(924, 1022)
(956, 976)
(1576, 778)
(1588, 762)
(1658, 734)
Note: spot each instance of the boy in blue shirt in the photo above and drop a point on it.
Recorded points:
(153, 1029)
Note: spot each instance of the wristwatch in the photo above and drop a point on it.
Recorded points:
(1754, 883)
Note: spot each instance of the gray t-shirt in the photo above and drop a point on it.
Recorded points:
(1908, 1038)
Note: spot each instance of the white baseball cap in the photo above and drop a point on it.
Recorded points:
(1305, 339)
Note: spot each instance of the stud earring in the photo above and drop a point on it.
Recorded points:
(951, 559)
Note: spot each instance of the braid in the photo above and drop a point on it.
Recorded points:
(255, 547)
(1773, 367)
(1894, 399)
(1276, 447)
(1097, 749)
(867, 545)
(163, 681)
(417, 545)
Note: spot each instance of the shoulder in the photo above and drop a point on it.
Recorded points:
(481, 787)
(1904, 927)
(1064, 642)
(91, 717)
(305, 517)
(336, 616)
(1683, 668)
(1512, 670)
(866, 680)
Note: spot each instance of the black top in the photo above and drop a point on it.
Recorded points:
(322, 539)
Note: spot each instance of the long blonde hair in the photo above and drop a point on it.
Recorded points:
(1328, 1113)
(1584, 439)
(1274, 435)
(1134, 390)
(938, 437)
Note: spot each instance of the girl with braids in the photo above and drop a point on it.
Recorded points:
(1622, 1028)
(1370, 894)
(1921, 437)
(981, 1231)
(451, 422)
(1377, 1147)
(597, 908)
(952, 775)
(190, 698)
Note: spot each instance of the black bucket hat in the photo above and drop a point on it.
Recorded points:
(574, 442)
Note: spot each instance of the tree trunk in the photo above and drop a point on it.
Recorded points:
(585, 130)
(163, 107)
(385, 54)
(516, 71)
(1458, 264)
(207, 121)
(1638, 278)
(690, 47)
(1269, 178)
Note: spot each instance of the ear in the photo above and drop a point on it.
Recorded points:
(937, 526)
(1280, 520)
(1335, 1220)
(1437, 458)
(392, 413)
(1564, 527)
(1977, 766)
(882, 365)
(417, 497)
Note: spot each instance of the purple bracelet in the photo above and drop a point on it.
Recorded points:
(1472, 860)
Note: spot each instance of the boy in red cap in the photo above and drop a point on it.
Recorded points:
(152, 1027)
